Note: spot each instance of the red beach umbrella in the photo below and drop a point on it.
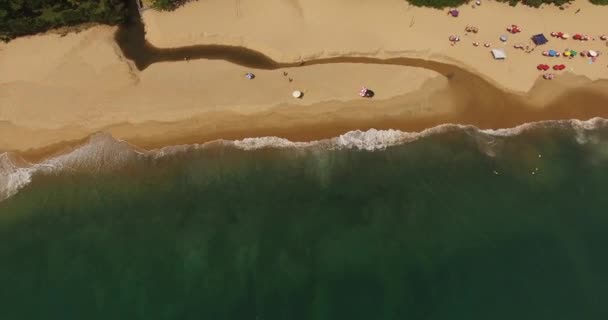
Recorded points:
(562, 67)
(540, 67)
(546, 67)
(555, 67)
(577, 37)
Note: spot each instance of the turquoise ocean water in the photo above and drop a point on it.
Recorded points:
(455, 225)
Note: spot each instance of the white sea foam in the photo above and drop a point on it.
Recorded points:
(103, 152)
(12, 177)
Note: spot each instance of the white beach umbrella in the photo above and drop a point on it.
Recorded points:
(592, 53)
(297, 94)
(565, 36)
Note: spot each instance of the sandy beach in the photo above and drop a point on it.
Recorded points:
(289, 31)
(60, 89)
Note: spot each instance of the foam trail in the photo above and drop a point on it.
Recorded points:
(12, 177)
(102, 152)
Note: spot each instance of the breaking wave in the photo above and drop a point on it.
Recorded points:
(102, 152)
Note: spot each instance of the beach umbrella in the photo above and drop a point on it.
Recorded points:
(249, 75)
(503, 38)
(546, 67)
(553, 34)
(560, 34)
(565, 36)
(593, 53)
(604, 37)
(555, 67)
(562, 67)
(540, 67)
(363, 91)
(567, 53)
(577, 37)
(552, 53)
(297, 94)
(573, 53)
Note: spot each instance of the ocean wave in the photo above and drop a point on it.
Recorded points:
(102, 152)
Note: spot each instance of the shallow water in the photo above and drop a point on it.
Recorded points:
(450, 226)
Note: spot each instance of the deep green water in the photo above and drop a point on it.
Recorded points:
(424, 230)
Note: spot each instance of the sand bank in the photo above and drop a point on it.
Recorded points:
(83, 84)
(289, 31)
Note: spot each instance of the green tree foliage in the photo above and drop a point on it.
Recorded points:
(163, 4)
(531, 3)
(168, 4)
(437, 3)
(22, 17)
(537, 3)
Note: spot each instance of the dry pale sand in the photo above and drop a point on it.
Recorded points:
(290, 30)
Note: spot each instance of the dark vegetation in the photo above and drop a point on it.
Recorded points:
(168, 4)
(536, 3)
(531, 3)
(22, 17)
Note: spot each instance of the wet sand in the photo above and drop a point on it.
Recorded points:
(487, 110)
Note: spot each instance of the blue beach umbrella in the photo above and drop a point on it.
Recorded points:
(552, 53)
